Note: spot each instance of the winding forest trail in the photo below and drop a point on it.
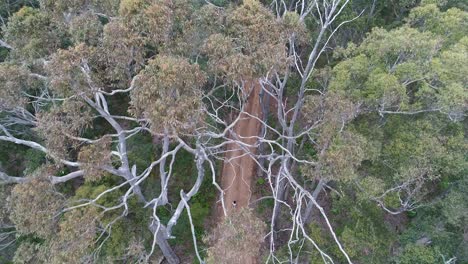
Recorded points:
(239, 167)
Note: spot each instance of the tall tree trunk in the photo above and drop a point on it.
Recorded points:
(161, 240)
(310, 206)
(281, 182)
(265, 103)
(167, 251)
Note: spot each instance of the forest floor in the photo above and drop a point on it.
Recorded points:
(239, 168)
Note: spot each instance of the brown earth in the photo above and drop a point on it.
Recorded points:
(239, 167)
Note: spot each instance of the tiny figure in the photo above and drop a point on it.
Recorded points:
(234, 204)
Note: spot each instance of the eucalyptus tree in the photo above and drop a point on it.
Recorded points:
(415, 70)
(67, 62)
(394, 76)
(403, 137)
(82, 78)
(241, 230)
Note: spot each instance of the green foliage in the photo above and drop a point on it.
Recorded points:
(363, 230)
(338, 151)
(11, 158)
(33, 160)
(32, 33)
(141, 150)
(447, 24)
(260, 181)
(383, 66)
(416, 152)
(27, 253)
(414, 67)
(454, 206)
(418, 254)
(91, 190)
(86, 28)
(452, 72)
(117, 229)
(9, 7)
(360, 227)
(406, 68)
(265, 205)
(440, 225)
(200, 204)
(171, 52)
(344, 155)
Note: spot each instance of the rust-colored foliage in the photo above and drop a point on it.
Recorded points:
(35, 204)
(253, 44)
(93, 157)
(238, 236)
(13, 81)
(158, 17)
(61, 123)
(151, 20)
(168, 93)
(76, 236)
(121, 55)
(67, 70)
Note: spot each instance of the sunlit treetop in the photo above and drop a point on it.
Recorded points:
(193, 32)
(451, 71)
(340, 150)
(152, 20)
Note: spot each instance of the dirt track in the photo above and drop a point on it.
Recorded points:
(239, 168)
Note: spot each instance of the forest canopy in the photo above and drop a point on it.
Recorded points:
(215, 131)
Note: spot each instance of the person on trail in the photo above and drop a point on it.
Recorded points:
(234, 204)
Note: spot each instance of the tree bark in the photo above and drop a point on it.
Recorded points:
(161, 240)
(265, 103)
(5, 45)
(167, 251)
(310, 206)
